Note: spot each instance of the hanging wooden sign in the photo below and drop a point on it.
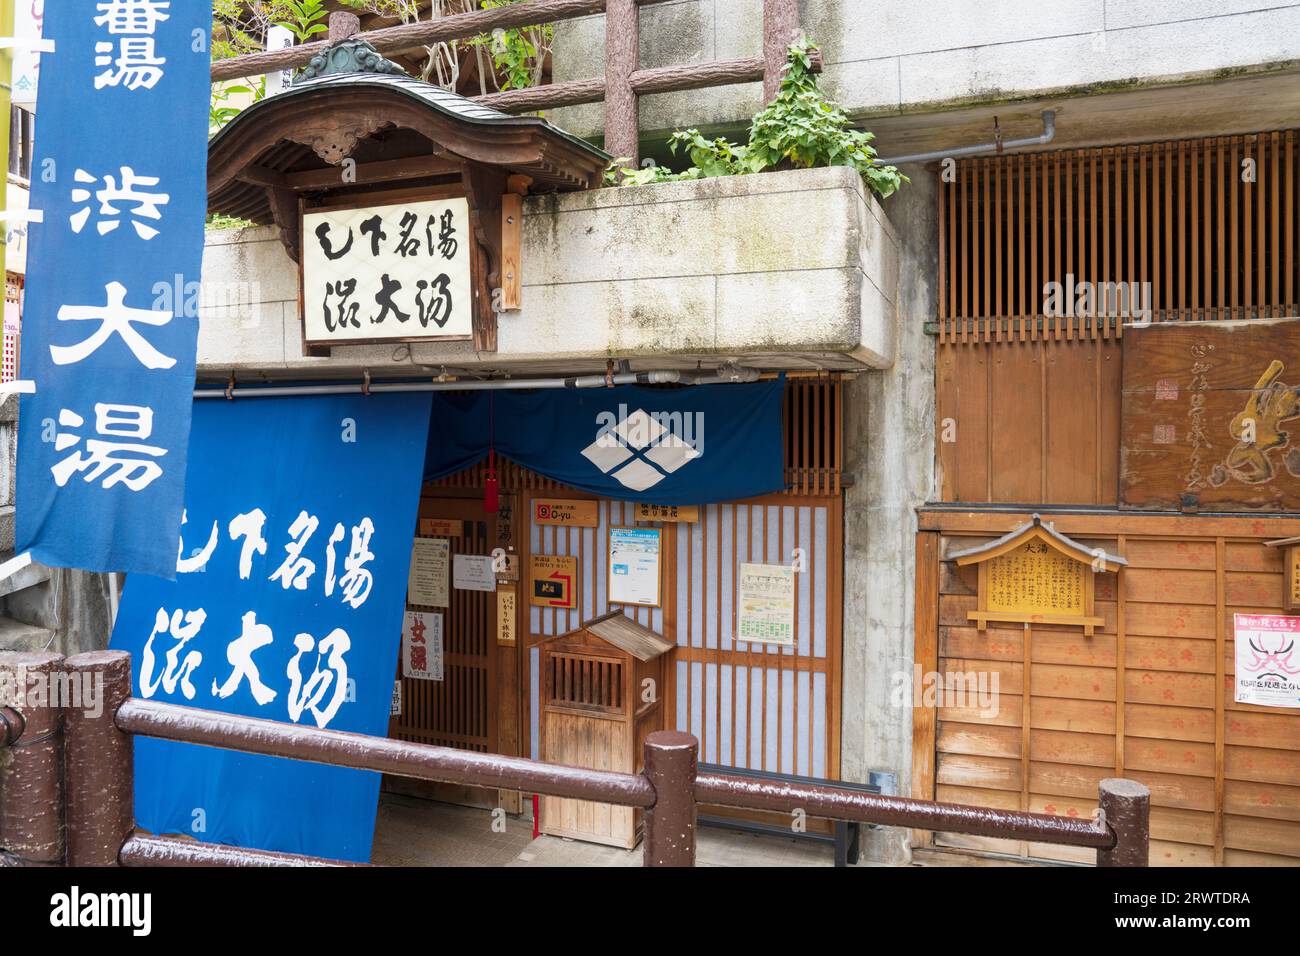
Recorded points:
(553, 581)
(1211, 417)
(506, 603)
(441, 528)
(685, 514)
(1036, 575)
(392, 273)
(570, 514)
(1293, 579)
(1290, 548)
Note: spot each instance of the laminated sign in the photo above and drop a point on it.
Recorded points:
(111, 314)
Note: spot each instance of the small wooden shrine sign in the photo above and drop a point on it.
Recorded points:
(401, 203)
(1036, 575)
(1290, 571)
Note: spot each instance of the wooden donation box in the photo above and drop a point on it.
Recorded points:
(1036, 575)
(600, 696)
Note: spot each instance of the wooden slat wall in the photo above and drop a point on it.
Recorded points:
(1148, 697)
(1180, 215)
(1029, 422)
(750, 705)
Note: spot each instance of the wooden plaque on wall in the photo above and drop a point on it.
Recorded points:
(1211, 417)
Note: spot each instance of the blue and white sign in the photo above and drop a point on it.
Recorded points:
(660, 446)
(120, 180)
(288, 603)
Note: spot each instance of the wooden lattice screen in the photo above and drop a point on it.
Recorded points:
(1210, 224)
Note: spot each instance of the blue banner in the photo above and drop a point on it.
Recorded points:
(662, 446)
(120, 178)
(299, 518)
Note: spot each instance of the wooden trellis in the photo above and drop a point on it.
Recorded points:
(1200, 229)
(622, 85)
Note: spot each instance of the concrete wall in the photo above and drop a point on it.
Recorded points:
(889, 451)
(918, 56)
(784, 270)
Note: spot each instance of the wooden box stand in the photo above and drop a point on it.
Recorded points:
(601, 687)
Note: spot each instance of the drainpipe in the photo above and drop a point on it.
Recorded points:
(1046, 136)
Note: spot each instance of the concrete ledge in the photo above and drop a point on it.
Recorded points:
(783, 269)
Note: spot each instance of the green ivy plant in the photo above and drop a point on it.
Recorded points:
(800, 129)
(518, 54)
(304, 18)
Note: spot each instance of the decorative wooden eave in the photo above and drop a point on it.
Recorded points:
(1037, 529)
(350, 104)
(618, 630)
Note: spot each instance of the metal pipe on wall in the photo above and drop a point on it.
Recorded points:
(665, 377)
(1042, 139)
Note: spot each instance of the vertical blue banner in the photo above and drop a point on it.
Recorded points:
(120, 177)
(288, 604)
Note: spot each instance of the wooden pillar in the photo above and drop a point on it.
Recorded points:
(670, 762)
(1127, 808)
(32, 687)
(99, 762)
(343, 25)
(622, 56)
(780, 29)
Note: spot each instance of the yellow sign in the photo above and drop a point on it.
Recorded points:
(506, 616)
(1036, 578)
(569, 514)
(686, 514)
(553, 581)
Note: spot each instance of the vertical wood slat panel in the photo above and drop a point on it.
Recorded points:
(1210, 223)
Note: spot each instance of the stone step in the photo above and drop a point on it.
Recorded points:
(30, 576)
(17, 636)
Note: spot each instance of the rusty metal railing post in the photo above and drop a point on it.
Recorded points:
(31, 759)
(670, 759)
(99, 760)
(1127, 808)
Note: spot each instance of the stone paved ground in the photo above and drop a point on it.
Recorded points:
(414, 832)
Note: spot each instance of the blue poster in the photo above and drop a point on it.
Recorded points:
(287, 605)
(109, 330)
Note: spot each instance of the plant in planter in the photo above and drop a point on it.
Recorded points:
(800, 129)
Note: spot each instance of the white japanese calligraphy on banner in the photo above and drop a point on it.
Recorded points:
(118, 178)
(392, 273)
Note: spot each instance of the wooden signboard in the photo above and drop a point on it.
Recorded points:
(553, 581)
(388, 273)
(1211, 417)
(686, 514)
(441, 528)
(1290, 548)
(1036, 575)
(567, 514)
(1293, 578)
(506, 605)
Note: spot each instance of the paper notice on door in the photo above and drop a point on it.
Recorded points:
(426, 585)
